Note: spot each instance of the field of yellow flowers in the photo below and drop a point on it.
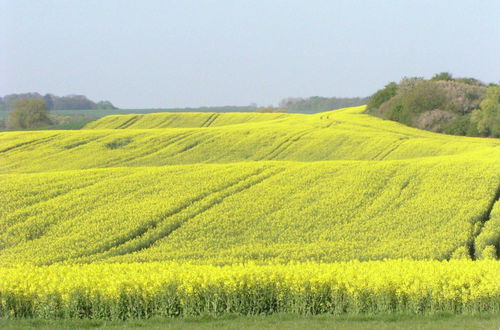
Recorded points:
(186, 214)
(141, 290)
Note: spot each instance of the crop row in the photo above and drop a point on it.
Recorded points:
(142, 290)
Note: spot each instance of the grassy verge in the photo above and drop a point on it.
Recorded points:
(71, 125)
(277, 321)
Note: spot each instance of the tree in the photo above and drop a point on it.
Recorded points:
(382, 95)
(488, 115)
(49, 101)
(105, 105)
(73, 102)
(442, 76)
(11, 99)
(270, 109)
(28, 113)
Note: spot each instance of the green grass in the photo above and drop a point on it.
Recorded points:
(67, 126)
(278, 321)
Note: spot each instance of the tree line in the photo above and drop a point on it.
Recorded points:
(53, 102)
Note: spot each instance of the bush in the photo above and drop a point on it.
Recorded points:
(382, 95)
(442, 76)
(434, 120)
(487, 118)
(28, 113)
(425, 96)
(393, 110)
(461, 98)
(460, 125)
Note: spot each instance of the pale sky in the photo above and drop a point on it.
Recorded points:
(144, 54)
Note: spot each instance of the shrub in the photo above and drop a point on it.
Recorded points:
(487, 118)
(28, 113)
(460, 125)
(383, 95)
(442, 76)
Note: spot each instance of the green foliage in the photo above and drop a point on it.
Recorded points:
(30, 113)
(53, 102)
(488, 116)
(67, 125)
(442, 76)
(382, 96)
(424, 96)
(393, 110)
(461, 125)
(105, 105)
(10, 100)
(470, 81)
(440, 104)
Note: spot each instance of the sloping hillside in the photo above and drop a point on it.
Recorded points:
(339, 135)
(187, 119)
(334, 186)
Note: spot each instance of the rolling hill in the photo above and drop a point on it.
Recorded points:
(339, 135)
(141, 216)
(335, 186)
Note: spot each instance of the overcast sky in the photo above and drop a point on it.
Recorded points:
(142, 54)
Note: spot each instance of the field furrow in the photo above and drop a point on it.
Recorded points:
(155, 230)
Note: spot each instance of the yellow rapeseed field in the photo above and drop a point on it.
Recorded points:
(120, 291)
(186, 214)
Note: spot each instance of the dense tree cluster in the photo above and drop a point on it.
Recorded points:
(53, 102)
(460, 106)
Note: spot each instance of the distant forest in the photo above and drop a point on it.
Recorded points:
(316, 104)
(309, 105)
(53, 102)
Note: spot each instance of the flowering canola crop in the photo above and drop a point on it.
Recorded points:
(187, 214)
(137, 290)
